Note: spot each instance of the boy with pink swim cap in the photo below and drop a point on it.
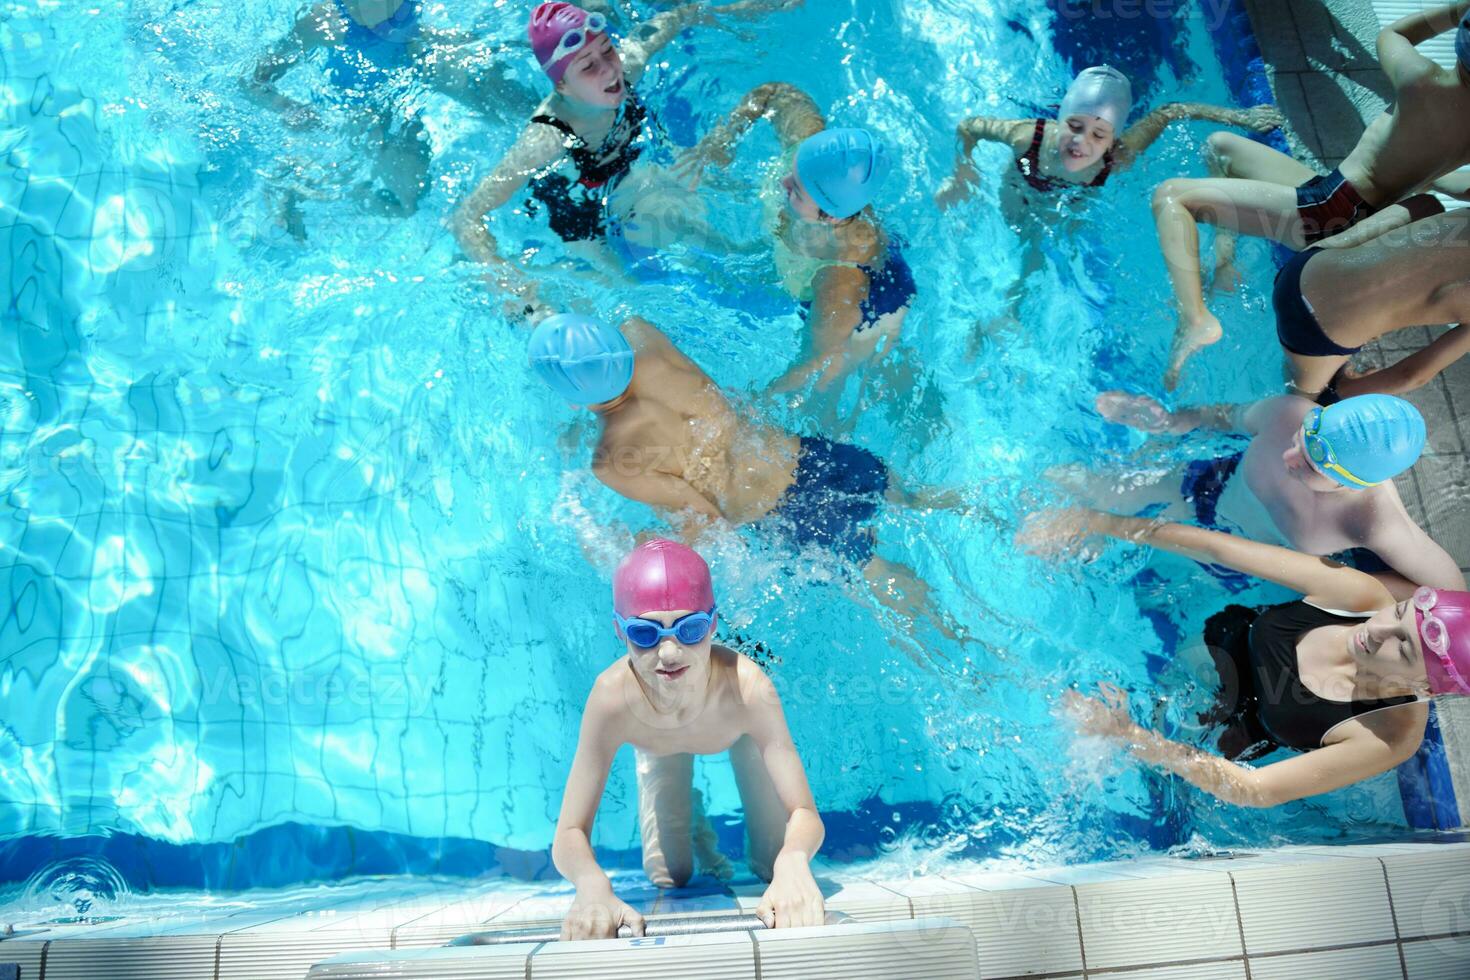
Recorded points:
(673, 695)
(579, 149)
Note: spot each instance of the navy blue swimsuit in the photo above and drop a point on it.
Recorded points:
(891, 287)
(365, 57)
(838, 488)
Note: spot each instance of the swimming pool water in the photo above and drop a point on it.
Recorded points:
(291, 535)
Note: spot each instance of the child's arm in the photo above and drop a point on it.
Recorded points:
(260, 81)
(597, 912)
(837, 296)
(1147, 415)
(659, 30)
(1323, 582)
(962, 183)
(1412, 372)
(792, 112)
(1456, 185)
(536, 149)
(793, 898)
(1416, 28)
(1142, 134)
(1394, 740)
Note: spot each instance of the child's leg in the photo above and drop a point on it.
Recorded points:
(402, 168)
(1252, 207)
(665, 817)
(765, 816)
(899, 588)
(1233, 155)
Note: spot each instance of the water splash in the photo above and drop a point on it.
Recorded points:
(76, 890)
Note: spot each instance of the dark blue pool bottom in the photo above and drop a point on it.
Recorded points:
(293, 853)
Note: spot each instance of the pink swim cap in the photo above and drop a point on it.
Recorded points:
(548, 23)
(1452, 609)
(662, 576)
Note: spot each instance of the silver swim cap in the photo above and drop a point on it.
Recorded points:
(1103, 92)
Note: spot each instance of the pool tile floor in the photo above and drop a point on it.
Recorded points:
(1396, 910)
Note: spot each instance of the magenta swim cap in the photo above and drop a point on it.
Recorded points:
(1448, 672)
(548, 23)
(662, 576)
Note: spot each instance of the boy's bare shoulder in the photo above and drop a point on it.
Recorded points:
(752, 683)
(606, 697)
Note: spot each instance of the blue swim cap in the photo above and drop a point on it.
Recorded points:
(1373, 437)
(842, 169)
(1462, 42)
(583, 360)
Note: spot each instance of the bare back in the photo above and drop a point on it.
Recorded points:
(676, 427)
(1418, 275)
(1421, 139)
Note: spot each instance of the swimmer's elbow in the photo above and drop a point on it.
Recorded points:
(1248, 788)
(468, 227)
(768, 94)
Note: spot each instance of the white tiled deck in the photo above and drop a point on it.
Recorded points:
(1319, 913)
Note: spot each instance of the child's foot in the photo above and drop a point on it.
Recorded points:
(1193, 335)
(1226, 278)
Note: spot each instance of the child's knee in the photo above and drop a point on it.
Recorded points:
(1170, 194)
(1218, 150)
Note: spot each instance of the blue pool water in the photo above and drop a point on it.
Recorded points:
(292, 538)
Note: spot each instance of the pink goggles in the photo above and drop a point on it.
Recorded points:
(1435, 636)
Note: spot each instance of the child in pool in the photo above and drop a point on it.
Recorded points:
(373, 48)
(832, 253)
(1407, 265)
(672, 440)
(1083, 147)
(675, 695)
(1415, 146)
(593, 127)
(1342, 675)
(1317, 480)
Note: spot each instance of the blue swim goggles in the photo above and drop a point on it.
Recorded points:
(645, 634)
(1320, 452)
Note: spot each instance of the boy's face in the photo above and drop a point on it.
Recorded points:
(800, 202)
(1301, 467)
(672, 668)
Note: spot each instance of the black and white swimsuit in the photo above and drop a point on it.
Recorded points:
(577, 211)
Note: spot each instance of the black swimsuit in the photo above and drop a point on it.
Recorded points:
(578, 212)
(1274, 706)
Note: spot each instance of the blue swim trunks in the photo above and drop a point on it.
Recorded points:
(1203, 484)
(837, 490)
